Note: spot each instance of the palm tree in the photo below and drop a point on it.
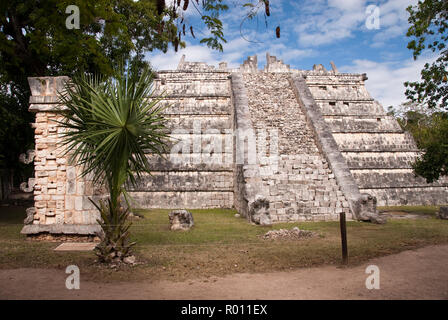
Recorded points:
(110, 126)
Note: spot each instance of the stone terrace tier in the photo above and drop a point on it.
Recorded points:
(199, 112)
(378, 152)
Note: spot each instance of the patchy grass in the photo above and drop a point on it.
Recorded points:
(221, 244)
(425, 210)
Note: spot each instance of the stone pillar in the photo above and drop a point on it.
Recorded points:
(333, 67)
(274, 65)
(223, 66)
(61, 196)
(250, 65)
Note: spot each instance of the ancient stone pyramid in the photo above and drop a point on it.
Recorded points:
(323, 146)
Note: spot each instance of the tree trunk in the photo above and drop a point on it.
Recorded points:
(6, 179)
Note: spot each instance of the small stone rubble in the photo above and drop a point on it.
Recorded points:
(259, 211)
(284, 234)
(443, 213)
(181, 220)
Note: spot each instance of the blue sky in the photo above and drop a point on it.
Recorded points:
(314, 32)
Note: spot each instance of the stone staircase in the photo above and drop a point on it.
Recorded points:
(301, 186)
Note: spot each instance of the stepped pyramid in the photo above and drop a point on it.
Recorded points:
(306, 145)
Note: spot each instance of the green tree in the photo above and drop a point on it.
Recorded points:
(429, 128)
(110, 124)
(429, 32)
(34, 40)
(432, 136)
(15, 137)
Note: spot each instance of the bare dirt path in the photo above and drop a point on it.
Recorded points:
(416, 274)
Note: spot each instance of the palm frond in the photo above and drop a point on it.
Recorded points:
(111, 124)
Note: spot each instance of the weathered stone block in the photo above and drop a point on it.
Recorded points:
(30, 212)
(259, 211)
(443, 213)
(79, 203)
(181, 220)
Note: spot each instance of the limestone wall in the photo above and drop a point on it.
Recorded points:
(198, 170)
(60, 194)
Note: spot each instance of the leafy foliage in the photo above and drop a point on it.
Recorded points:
(111, 123)
(15, 138)
(429, 28)
(430, 131)
(34, 41)
(109, 126)
(433, 139)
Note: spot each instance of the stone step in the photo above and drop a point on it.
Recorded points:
(195, 124)
(191, 162)
(199, 143)
(194, 87)
(347, 108)
(185, 181)
(384, 124)
(380, 160)
(182, 200)
(391, 178)
(374, 142)
(339, 92)
(197, 106)
(427, 195)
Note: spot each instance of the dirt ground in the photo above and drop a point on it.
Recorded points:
(416, 274)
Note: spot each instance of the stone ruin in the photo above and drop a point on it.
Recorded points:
(181, 220)
(323, 146)
(259, 211)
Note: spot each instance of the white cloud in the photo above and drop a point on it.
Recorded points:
(326, 22)
(235, 51)
(394, 21)
(170, 60)
(386, 79)
(314, 23)
(347, 5)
